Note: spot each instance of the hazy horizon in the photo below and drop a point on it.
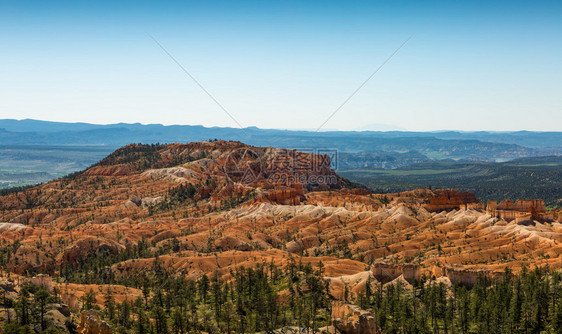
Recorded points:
(326, 129)
(475, 66)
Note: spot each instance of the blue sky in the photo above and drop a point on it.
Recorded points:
(476, 65)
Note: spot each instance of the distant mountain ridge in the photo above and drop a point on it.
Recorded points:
(523, 138)
(449, 144)
(55, 148)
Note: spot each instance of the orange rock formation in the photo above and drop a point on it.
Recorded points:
(521, 210)
(90, 323)
(350, 319)
(134, 198)
(451, 199)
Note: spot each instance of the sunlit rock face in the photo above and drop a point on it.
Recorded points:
(520, 210)
(351, 319)
(90, 323)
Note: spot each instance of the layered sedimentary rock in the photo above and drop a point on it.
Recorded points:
(468, 277)
(520, 210)
(451, 199)
(351, 319)
(282, 195)
(386, 272)
(474, 206)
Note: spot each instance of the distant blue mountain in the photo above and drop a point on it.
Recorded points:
(435, 145)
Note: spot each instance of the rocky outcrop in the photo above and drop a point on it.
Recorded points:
(351, 319)
(349, 287)
(12, 227)
(297, 246)
(386, 272)
(90, 323)
(176, 174)
(527, 205)
(61, 308)
(520, 210)
(284, 196)
(7, 285)
(88, 246)
(151, 201)
(450, 199)
(468, 277)
(475, 206)
(144, 203)
(44, 281)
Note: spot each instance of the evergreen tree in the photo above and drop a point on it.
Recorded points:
(41, 298)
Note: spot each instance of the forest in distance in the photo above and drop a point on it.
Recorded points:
(539, 177)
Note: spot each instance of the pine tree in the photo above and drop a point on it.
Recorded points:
(23, 307)
(160, 319)
(109, 305)
(89, 300)
(203, 287)
(41, 298)
(177, 322)
(124, 314)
